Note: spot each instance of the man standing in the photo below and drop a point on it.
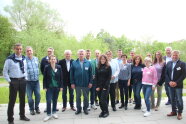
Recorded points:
(119, 60)
(65, 65)
(167, 58)
(93, 89)
(81, 80)
(175, 74)
(14, 72)
(32, 85)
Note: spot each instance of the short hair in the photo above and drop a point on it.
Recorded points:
(51, 48)
(68, 51)
(88, 50)
(51, 56)
(97, 51)
(119, 50)
(135, 57)
(132, 51)
(176, 51)
(168, 48)
(124, 55)
(29, 47)
(109, 52)
(148, 59)
(17, 44)
(81, 50)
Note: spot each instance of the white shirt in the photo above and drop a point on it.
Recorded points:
(68, 65)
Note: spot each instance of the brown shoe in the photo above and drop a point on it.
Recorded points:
(172, 114)
(179, 117)
(63, 109)
(73, 109)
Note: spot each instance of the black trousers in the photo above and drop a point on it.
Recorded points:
(123, 86)
(103, 96)
(71, 96)
(16, 85)
(112, 94)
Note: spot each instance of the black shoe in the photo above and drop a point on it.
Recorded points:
(167, 103)
(24, 118)
(117, 101)
(114, 109)
(101, 114)
(77, 112)
(121, 106)
(32, 112)
(38, 111)
(126, 108)
(57, 109)
(105, 115)
(137, 107)
(11, 122)
(86, 112)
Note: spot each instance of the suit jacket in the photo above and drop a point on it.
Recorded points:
(178, 75)
(47, 77)
(66, 74)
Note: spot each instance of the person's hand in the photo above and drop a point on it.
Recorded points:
(97, 89)
(61, 89)
(113, 77)
(90, 86)
(174, 84)
(128, 83)
(45, 89)
(153, 87)
(171, 84)
(73, 86)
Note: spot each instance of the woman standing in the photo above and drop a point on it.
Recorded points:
(149, 82)
(136, 79)
(124, 80)
(102, 78)
(158, 64)
(52, 83)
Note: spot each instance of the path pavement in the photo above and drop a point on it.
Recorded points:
(129, 116)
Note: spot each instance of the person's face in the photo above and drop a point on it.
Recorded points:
(88, 54)
(147, 63)
(157, 55)
(109, 55)
(119, 53)
(18, 50)
(97, 54)
(81, 55)
(124, 58)
(132, 54)
(103, 60)
(29, 52)
(53, 60)
(137, 60)
(68, 56)
(175, 56)
(168, 51)
(50, 52)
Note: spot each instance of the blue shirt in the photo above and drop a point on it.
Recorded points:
(173, 65)
(12, 69)
(115, 70)
(32, 68)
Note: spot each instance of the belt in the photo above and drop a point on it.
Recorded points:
(22, 78)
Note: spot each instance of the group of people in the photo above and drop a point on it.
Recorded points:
(102, 78)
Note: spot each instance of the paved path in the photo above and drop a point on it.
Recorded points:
(129, 116)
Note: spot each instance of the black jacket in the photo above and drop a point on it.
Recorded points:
(103, 77)
(66, 74)
(47, 77)
(178, 75)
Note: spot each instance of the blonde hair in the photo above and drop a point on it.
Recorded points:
(148, 59)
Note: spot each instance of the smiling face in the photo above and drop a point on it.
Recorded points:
(52, 60)
(124, 58)
(18, 50)
(50, 52)
(119, 53)
(29, 52)
(88, 54)
(103, 60)
(175, 56)
(81, 55)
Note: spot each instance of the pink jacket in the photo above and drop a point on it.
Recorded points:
(150, 76)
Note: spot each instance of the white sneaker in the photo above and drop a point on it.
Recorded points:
(93, 107)
(55, 116)
(89, 107)
(47, 118)
(144, 110)
(147, 114)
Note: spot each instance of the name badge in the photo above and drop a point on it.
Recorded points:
(86, 68)
(148, 72)
(178, 68)
(55, 70)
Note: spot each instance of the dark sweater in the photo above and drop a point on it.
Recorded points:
(103, 77)
(136, 73)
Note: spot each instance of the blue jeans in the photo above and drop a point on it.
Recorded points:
(137, 89)
(33, 87)
(52, 96)
(92, 94)
(147, 91)
(176, 99)
(167, 91)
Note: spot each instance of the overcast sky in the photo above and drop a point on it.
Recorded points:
(162, 20)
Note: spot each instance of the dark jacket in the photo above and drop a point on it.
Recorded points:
(81, 76)
(178, 75)
(66, 74)
(103, 77)
(136, 73)
(47, 77)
